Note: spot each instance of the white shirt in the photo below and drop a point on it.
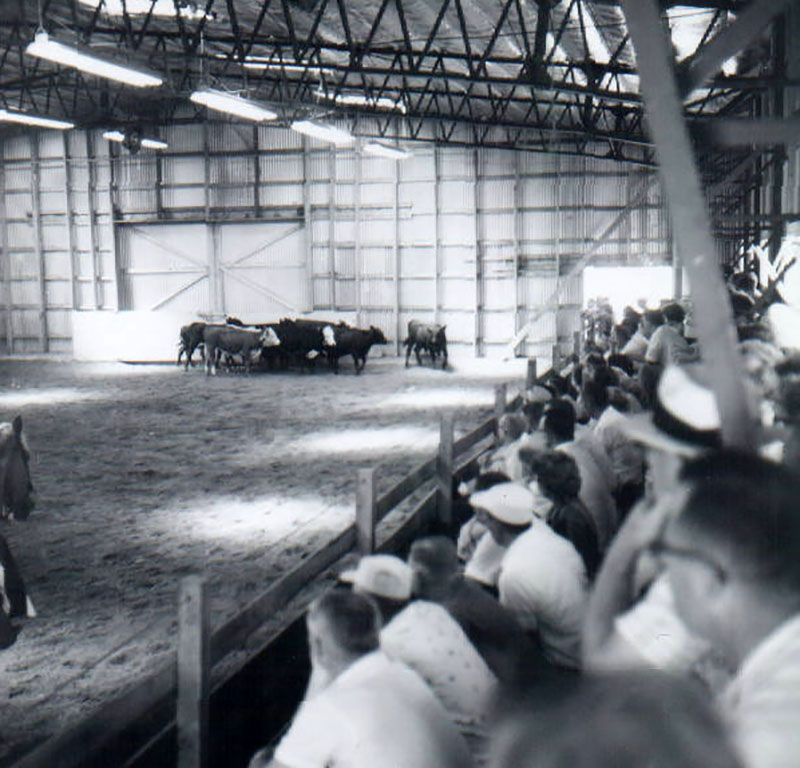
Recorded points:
(375, 714)
(426, 638)
(762, 703)
(487, 558)
(625, 455)
(543, 583)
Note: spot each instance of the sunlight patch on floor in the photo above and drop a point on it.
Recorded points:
(266, 519)
(19, 398)
(423, 398)
(369, 440)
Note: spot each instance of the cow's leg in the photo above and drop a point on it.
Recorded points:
(181, 350)
(408, 351)
(416, 352)
(444, 359)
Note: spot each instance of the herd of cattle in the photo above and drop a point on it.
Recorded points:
(298, 342)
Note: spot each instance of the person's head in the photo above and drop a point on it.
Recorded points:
(510, 427)
(615, 720)
(434, 564)
(651, 319)
(342, 627)
(623, 362)
(744, 281)
(384, 578)
(557, 476)
(731, 552)
(674, 313)
(559, 422)
(505, 509)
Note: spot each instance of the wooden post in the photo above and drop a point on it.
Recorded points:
(556, 365)
(576, 344)
(193, 673)
(530, 377)
(365, 512)
(70, 214)
(444, 472)
(500, 400)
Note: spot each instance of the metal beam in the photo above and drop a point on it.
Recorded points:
(712, 311)
(752, 132)
(6, 263)
(36, 183)
(729, 41)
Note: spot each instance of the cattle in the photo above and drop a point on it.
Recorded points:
(191, 339)
(426, 337)
(302, 341)
(231, 340)
(16, 488)
(14, 601)
(355, 342)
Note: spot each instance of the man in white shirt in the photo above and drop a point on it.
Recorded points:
(375, 713)
(542, 578)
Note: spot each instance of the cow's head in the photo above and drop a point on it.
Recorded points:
(439, 339)
(16, 488)
(377, 335)
(328, 336)
(269, 338)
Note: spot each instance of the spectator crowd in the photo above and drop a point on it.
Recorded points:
(621, 589)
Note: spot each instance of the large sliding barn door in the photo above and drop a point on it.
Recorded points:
(253, 270)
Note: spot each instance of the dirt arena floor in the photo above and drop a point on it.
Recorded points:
(145, 474)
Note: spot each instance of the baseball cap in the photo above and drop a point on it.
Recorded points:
(381, 575)
(509, 503)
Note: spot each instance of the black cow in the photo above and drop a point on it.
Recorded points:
(355, 342)
(191, 339)
(302, 341)
(14, 601)
(231, 340)
(426, 337)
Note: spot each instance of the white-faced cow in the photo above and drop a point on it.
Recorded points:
(355, 342)
(426, 337)
(231, 340)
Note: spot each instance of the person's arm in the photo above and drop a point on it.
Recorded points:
(615, 587)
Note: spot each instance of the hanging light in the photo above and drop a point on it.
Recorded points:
(323, 132)
(379, 149)
(44, 47)
(231, 104)
(24, 118)
(131, 140)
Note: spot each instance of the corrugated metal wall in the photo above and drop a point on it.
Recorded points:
(476, 239)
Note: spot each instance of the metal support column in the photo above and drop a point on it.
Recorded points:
(688, 208)
(70, 215)
(5, 261)
(91, 176)
(437, 251)
(309, 231)
(357, 267)
(476, 345)
(516, 243)
(332, 225)
(41, 270)
(396, 258)
(256, 173)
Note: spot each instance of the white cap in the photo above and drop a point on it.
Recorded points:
(509, 503)
(381, 575)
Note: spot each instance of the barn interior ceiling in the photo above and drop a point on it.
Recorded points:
(547, 75)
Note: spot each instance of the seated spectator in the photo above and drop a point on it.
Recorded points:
(667, 346)
(558, 479)
(386, 579)
(542, 578)
(593, 466)
(492, 629)
(627, 720)
(504, 457)
(473, 530)
(373, 712)
(425, 637)
(636, 349)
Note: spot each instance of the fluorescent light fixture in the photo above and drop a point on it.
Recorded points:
(232, 105)
(45, 48)
(163, 8)
(154, 144)
(261, 63)
(380, 149)
(323, 132)
(9, 116)
(119, 137)
(362, 100)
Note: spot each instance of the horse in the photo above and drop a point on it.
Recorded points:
(16, 488)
